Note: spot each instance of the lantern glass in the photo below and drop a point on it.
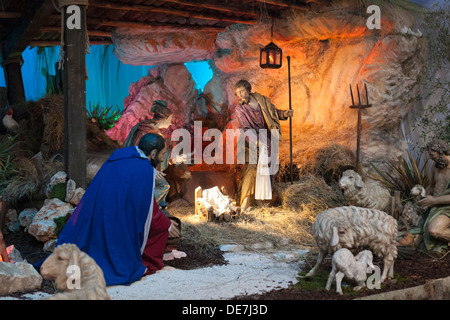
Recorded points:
(270, 56)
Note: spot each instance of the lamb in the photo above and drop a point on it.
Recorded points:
(367, 195)
(92, 284)
(356, 228)
(418, 192)
(344, 264)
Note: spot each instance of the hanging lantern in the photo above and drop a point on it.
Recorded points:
(270, 56)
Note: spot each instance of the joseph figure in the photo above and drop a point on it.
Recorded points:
(254, 113)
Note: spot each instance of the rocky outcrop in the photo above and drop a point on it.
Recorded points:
(329, 51)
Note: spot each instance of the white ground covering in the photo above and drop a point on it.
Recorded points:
(245, 273)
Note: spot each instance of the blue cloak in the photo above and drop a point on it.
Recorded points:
(112, 220)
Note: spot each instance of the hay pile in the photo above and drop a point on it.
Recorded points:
(310, 191)
(34, 158)
(283, 226)
(332, 160)
(29, 179)
(309, 142)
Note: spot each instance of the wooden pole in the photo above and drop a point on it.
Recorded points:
(14, 81)
(359, 106)
(290, 120)
(75, 99)
(358, 136)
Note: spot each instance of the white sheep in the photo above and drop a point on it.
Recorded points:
(92, 285)
(356, 228)
(367, 195)
(344, 264)
(418, 192)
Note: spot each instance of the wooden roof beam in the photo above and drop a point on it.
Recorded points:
(283, 4)
(27, 28)
(217, 7)
(93, 33)
(49, 43)
(10, 15)
(175, 12)
(143, 25)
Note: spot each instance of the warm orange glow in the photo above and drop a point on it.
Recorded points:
(8, 251)
(271, 58)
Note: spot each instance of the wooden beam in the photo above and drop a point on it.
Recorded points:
(175, 12)
(94, 33)
(217, 7)
(50, 43)
(75, 100)
(143, 25)
(283, 4)
(27, 28)
(13, 79)
(10, 15)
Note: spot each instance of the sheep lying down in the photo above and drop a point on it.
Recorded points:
(67, 260)
(356, 228)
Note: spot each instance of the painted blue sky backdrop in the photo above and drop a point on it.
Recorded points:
(109, 79)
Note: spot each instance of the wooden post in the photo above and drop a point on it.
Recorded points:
(32, 18)
(290, 121)
(75, 98)
(13, 79)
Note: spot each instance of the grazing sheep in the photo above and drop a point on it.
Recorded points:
(344, 264)
(367, 195)
(356, 229)
(92, 285)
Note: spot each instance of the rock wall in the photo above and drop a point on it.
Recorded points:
(329, 50)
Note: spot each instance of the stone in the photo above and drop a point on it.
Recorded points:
(328, 52)
(262, 245)
(11, 217)
(57, 178)
(11, 220)
(43, 227)
(50, 245)
(26, 216)
(144, 46)
(78, 194)
(70, 190)
(14, 254)
(19, 276)
(173, 84)
(43, 230)
(231, 248)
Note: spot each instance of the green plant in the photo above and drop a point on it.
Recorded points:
(58, 191)
(104, 117)
(404, 174)
(60, 223)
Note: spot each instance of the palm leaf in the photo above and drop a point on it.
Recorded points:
(402, 175)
